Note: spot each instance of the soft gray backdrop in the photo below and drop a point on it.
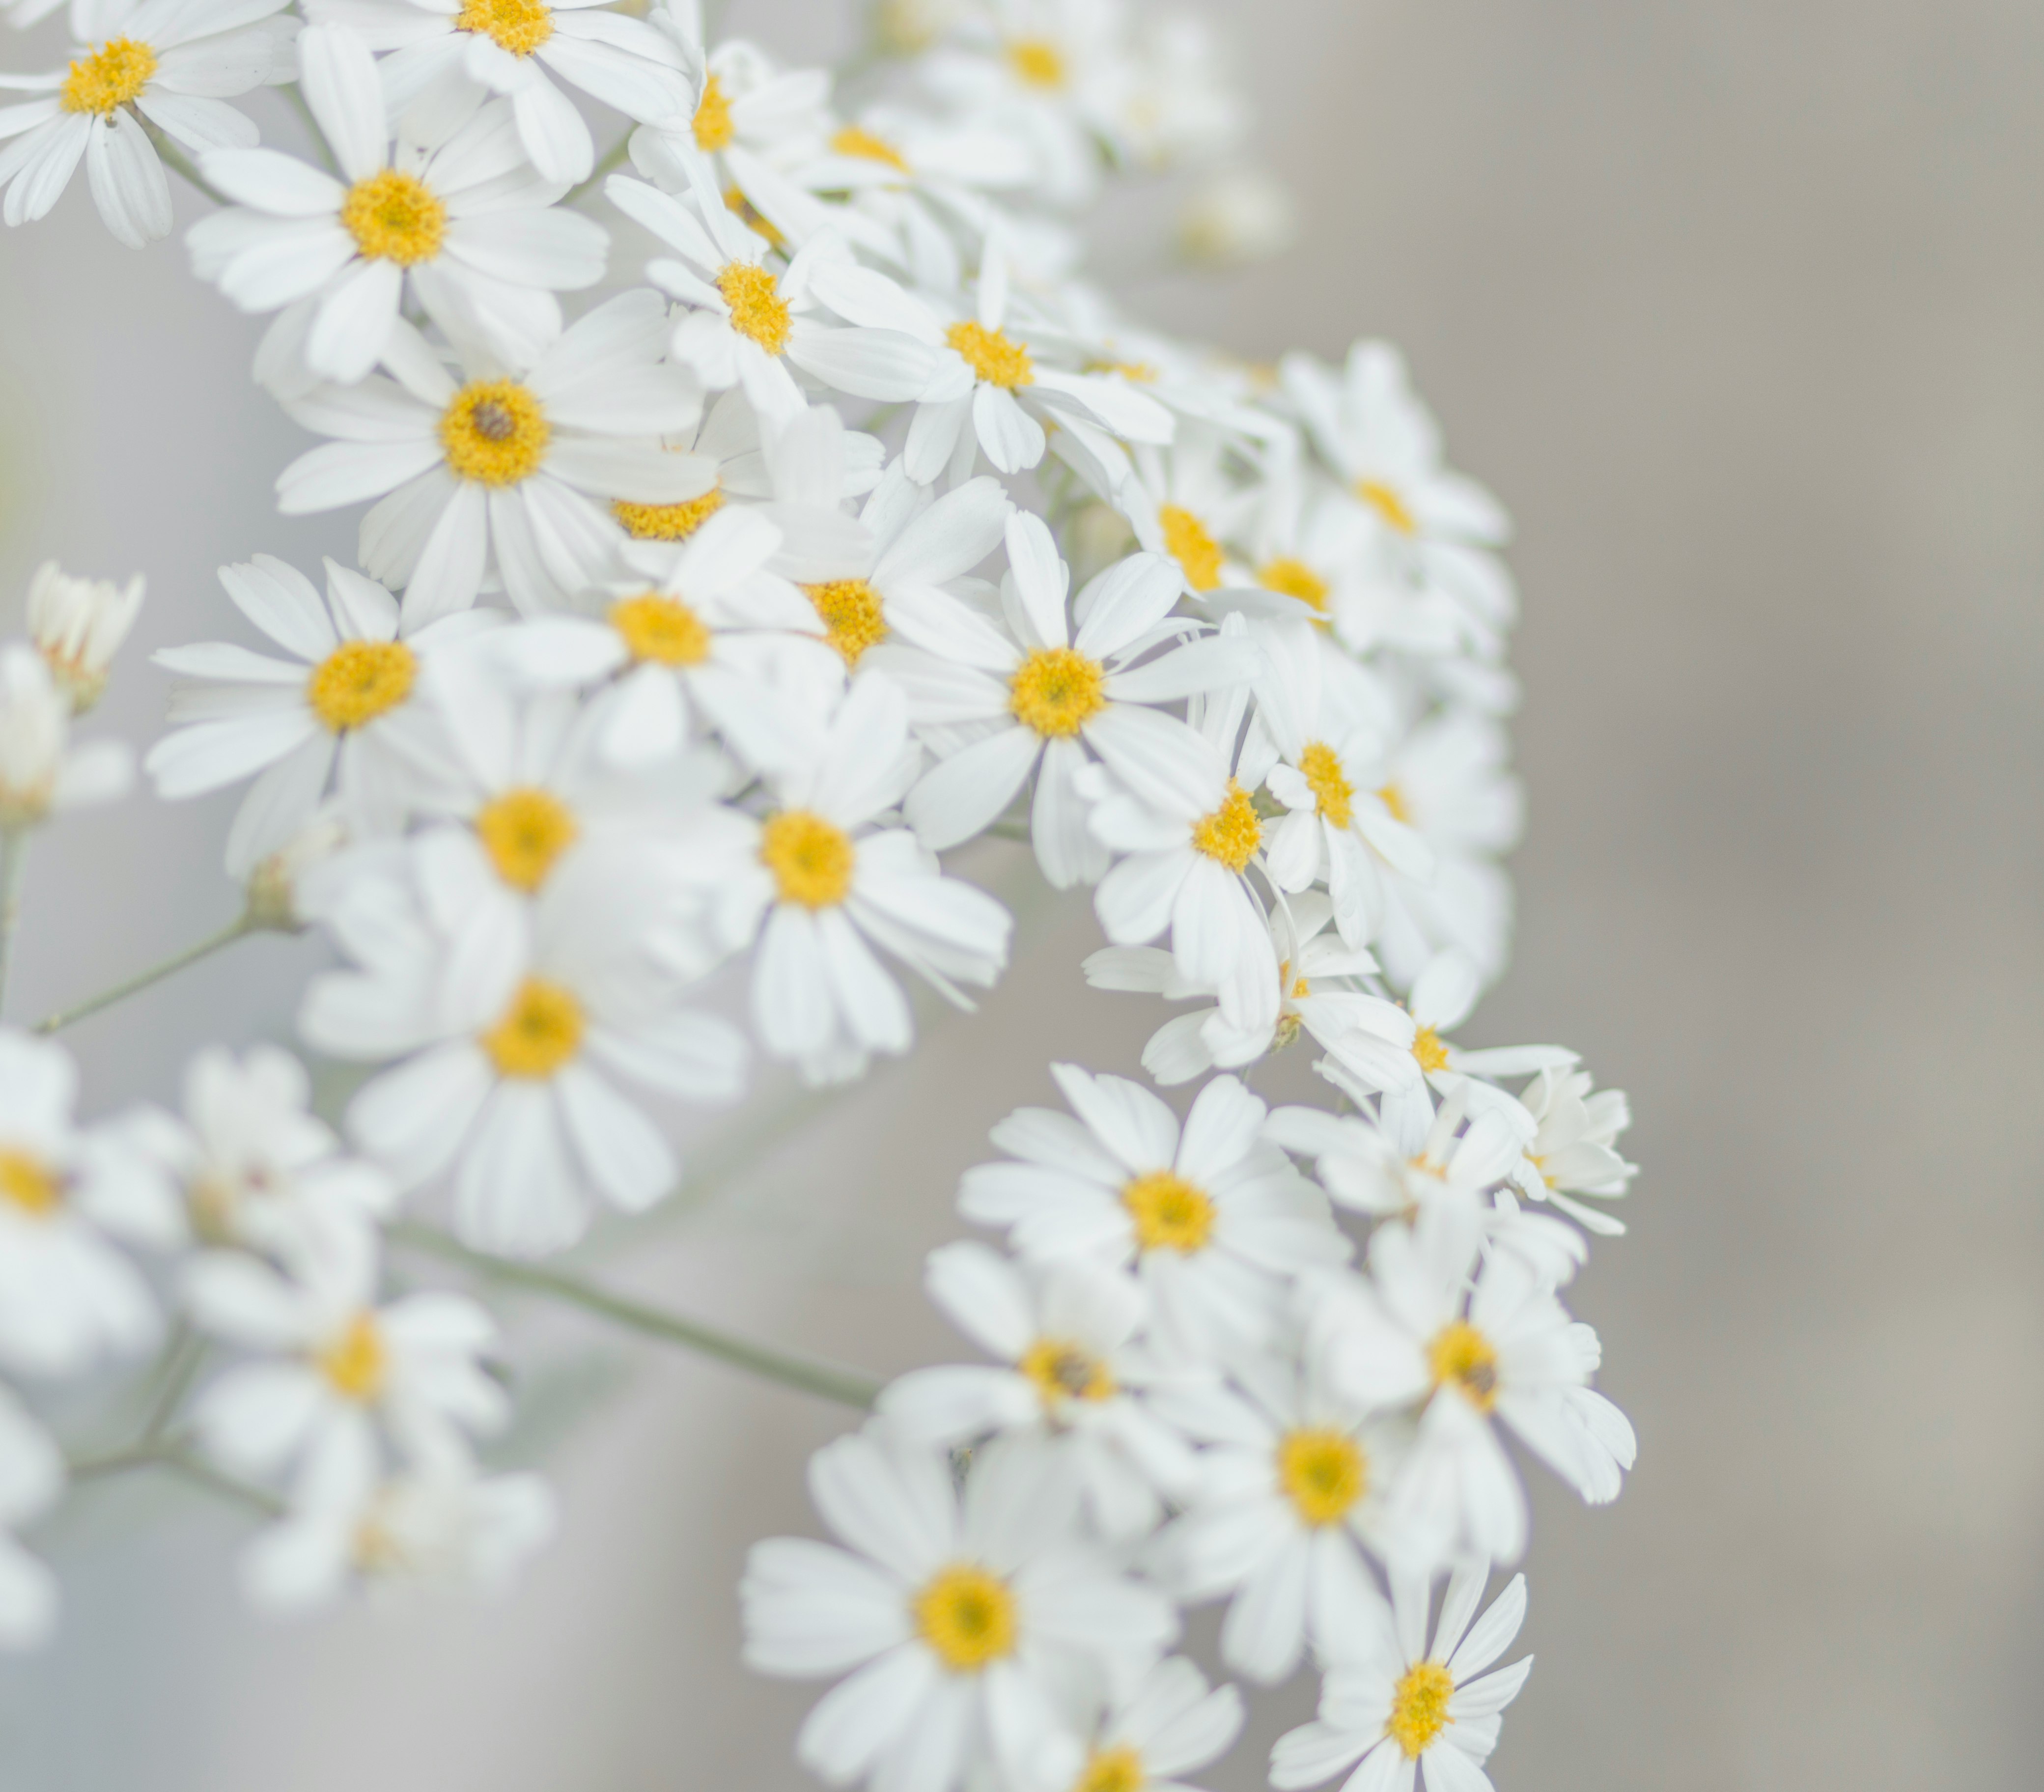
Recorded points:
(1740, 308)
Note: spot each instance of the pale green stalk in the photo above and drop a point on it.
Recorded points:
(142, 979)
(13, 866)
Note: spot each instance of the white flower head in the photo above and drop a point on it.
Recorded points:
(1153, 1731)
(1574, 1153)
(78, 624)
(1236, 217)
(32, 1477)
(41, 773)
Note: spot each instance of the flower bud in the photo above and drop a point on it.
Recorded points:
(274, 883)
(1235, 218)
(78, 624)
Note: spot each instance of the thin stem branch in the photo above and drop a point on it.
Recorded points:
(613, 157)
(846, 1386)
(174, 1455)
(156, 974)
(295, 96)
(13, 866)
(176, 159)
(181, 1360)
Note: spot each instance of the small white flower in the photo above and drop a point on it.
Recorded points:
(32, 1477)
(41, 774)
(1575, 1151)
(1168, 1724)
(1405, 1711)
(742, 109)
(1185, 501)
(78, 624)
(1236, 218)
(272, 879)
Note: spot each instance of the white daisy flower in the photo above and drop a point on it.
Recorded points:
(1575, 1151)
(1168, 1724)
(517, 1014)
(491, 471)
(41, 773)
(1214, 1221)
(1442, 996)
(441, 51)
(1407, 1713)
(334, 1368)
(1069, 1334)
(1019, 688)
(78, 624)
(1184, 501)
(461, 220)
(327, 717)
(174, 62)
(32, 1478)
(961, 1619)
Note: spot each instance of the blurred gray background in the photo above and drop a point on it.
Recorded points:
(1740, 307)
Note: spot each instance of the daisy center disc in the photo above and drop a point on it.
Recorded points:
(524, 832)
(1420, 1708)
(1333, 795)
(967, 1616)
(27, 1186)
(667, 522)
(713, 126)
(519, 26)
(114, 74)
(1057, 690)
(495, 432)
(812, 860)
(1427, 1048)
(1322, 1472)
(1114, 1769)
(540, 1032)
(993, 355)
(394, 217)
(850, 611)
(1294, 578)
(1230, 836)
(757, 308)
(354, 1363)
(1037, 62)
(359, 681)
(1066, 1371)
(1462, 1355)
(1187, 541)
(1169, 1212)
(866, 146)
(663, 630)
(1385, 501)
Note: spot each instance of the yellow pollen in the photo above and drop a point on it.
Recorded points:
(1427, 1047)
(358, 681)
(495, 432)
(1333, 795)
(29, 1186)
(354, 1364)
(755, 219)
(1393, 799)
(967, 1616)
(1294, 578)
(757, 308)
(1057, 690)
(667, 522)
(524, 832)
(713, 122)
(1170, 1214)
(812, 859)
(1141, 373)
(1462, 1354)
(394, 217)
(519, 26)
(664, 630)
(993, 355)
(540, 1032)
(1114, 1769)
(850, 614)
(853, 141)
(1322, 1472)
(1187, 541)
(1037, 62)
(1232, 833)
(1065, 1371)
(1420, 1708)
(109, 77)
(1385, 501)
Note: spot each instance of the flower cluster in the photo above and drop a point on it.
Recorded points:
(695, 627)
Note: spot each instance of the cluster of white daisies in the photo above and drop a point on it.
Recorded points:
(845, 525)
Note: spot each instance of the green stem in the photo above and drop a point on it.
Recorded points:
(846, 1386)
(142, 979)
(295, 96)
(176, 160)
(13, 866)
(612, 157)
(174, 1454)
(181, 1359)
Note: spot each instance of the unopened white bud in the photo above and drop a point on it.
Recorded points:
(274, 883)
(78, 624)
(1236, 218)
(907, 27)
(40, 771)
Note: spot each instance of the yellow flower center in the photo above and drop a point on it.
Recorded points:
(667, 522)
(1420, 1708)
(850, 611)
(1187, 541)
(1462, 1354)
(494, 433)
(1232, 833)
(1333, 795)
(394, 217)
(358, 681)
(540, 1032)
(1057, 690)
(523, 832)
(664, 630)
(993, 355)
(109, 77)
(354, 1363)
(519, 26)
(1394, 800)
(757, 308)
(1294, 578)
(1386, 503)
(812, 859)
(967, 1616)
(1427, 1047)
(713, 122)
(1170, 1214)
(28, 1185)
(853, 141)
(1064, 1371)
(1037, 62)
(1112, 1770)
(1322, 1472)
